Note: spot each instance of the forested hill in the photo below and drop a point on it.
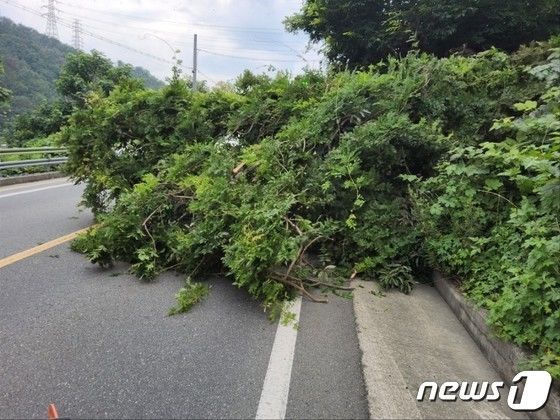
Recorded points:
(32, 63)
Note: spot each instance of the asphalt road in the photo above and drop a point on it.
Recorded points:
(33, 213)
(98, 342)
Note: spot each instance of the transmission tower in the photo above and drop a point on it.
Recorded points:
(77, 35)
(52, 29)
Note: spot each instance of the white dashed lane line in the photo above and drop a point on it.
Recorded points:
(274, 395)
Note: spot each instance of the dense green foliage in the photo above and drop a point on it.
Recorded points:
(491, 216)
(288, 183)
(38, 124)
(363, 32)
(32, 64)
(80, 74)
(4, 93)
(83, 73)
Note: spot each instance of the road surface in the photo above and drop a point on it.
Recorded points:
(98, 343)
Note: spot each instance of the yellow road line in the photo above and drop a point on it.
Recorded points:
(40, 248)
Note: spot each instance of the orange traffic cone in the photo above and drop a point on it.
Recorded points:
(52, 414)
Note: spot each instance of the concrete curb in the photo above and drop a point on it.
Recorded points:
(505, 357)
(409, 339)
(21, 179)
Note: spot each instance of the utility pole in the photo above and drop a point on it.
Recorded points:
(77, 35)
(195, 57)
(52, 29)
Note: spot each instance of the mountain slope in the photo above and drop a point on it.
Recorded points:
(32, 63)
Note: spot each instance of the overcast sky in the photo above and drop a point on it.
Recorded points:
(232, 34)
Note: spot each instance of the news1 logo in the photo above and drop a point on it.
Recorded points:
(533, 396)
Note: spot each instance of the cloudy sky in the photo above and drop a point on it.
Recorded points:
(232, 34)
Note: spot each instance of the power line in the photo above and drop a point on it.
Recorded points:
(206, 38)
(233, 28)
(180, 33)
(118, 44)
(78, 31)
(195, 24)
(249, 50)
(225, 54)
(218, 46)
(253, 58)
(91, 34)
(113, 23)
(214, 42)
(205, 75)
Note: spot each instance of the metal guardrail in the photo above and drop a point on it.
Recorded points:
(55, 159)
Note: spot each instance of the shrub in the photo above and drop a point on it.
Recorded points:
(490, 215)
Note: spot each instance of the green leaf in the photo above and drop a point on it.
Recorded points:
(493, 184)
(525, 106)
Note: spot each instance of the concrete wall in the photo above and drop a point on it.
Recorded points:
(505, 357)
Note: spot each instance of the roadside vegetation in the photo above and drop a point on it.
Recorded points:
(385, 171)
(32, 61)
(4, 93)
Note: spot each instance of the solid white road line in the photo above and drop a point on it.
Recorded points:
(35, 190)
(22, 186)
(274, 395)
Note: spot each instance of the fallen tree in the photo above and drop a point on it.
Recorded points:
(287, 184)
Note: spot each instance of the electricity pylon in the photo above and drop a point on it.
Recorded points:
(77, 35)
(52, 29)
